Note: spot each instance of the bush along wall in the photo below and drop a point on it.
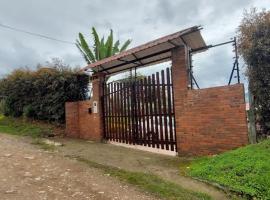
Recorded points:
(41, 94)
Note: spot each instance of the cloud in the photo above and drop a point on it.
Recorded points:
(139, 20)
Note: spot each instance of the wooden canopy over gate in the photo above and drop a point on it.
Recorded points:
(154, 52)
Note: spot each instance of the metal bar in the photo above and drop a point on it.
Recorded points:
(195, 81)
(235, 64)
(142, 58)
(148, 63)
(126, 61)
(174, 130)
(190, 69)
(211, 46)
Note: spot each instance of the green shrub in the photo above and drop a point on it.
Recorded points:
(3, 107)
(28, 111)
(41, 94)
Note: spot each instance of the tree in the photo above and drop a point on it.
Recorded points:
(254, 46)
(101, 49)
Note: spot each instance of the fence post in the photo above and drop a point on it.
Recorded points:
(98, 80)
(180, 87)
(251, 120)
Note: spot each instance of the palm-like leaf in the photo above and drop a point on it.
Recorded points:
(116, 47)
(85, 48)
(96, 43)
(101, 48)
(125, 45)
(82, 52)
(109, 45)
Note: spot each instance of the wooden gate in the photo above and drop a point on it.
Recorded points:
(141, 111)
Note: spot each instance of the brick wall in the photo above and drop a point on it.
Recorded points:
(79, 122)
(213, 120)
(72, 119)
(208, 121)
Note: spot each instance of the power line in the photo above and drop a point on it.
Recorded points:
(35, 34)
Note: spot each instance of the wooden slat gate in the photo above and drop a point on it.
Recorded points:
(141, 111)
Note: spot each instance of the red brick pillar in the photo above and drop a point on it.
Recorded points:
(180, 80)
(97, 123)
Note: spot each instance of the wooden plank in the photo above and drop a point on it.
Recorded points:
(110, 111)
(114, 113)
(159, 110)
(138, 112)
(147, 138)
(129, 112)
(151, 88)
(164, 99)
(119, 103)
(133, 111)
(105, 110)
(117, 112)
(156, 138)
(170, 107)
(143, 82)
(122, 113)
(125, 114)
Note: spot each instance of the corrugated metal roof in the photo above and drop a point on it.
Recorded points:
(153, 52)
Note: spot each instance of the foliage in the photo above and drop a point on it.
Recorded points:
(28, 111)
(245, 170)
(254, 46)
(4, 109)
(41, 94)
(102, 48)
(15, 126)
(148, 182)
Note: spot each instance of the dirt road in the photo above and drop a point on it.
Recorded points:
(27, 172)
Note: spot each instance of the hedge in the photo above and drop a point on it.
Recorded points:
(41, 94)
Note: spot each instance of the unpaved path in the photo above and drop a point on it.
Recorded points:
(166, 167)
(29, 173)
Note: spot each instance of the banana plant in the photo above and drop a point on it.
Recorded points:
(101, 49)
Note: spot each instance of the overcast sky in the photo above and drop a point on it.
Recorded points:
(140, 21)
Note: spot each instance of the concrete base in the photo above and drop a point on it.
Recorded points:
(145, 148)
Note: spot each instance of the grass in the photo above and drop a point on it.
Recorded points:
(245, 170)
(19, 126)
(148, 182)
(43, 145)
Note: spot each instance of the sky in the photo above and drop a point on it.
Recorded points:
(139, 20)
